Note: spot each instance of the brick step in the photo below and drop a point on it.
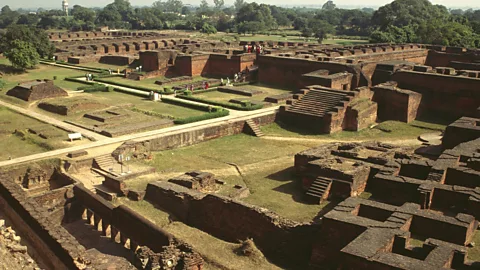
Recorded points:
(317, 190)
(316, 101)
(306, 109)
(331, 91)
(317, 105)
(319, 115)
(321, 98)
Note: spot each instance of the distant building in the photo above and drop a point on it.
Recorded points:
(65, 7)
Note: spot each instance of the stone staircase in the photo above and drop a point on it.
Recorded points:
(319, 189)
(254, 128)
(317, 102)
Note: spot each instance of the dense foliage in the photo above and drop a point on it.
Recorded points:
(400, 21)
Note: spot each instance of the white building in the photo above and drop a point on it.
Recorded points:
(65, 7)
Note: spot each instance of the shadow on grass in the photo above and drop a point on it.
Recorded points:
(437, 118)
(294, 189)
(287, 174)
(7, 69)
(294, 129)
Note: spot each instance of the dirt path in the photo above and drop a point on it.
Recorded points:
(399, 142)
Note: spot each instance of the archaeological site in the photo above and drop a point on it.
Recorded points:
(149, 150)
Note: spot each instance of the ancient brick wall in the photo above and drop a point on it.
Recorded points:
(443, 59)
(204, 134)
(463, 130)
(287, 72)
(453, 95)
(396, 104)
(58, 248)
(128, 222)
(281, 240)
(360, 119)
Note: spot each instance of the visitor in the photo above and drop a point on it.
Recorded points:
(203, 85)
(222, 82)
(206, 85)
(235, 77)
(259, 49)
(175, 92)
(151, 95)
(245, 48)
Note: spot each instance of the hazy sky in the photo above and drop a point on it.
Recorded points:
(99, 3)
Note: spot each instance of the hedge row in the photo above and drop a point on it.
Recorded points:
(78, 80)
(141, 88)
(190, 105)
(130, 92)
(223, 104)
(76, 65)
(152, 113)
(206, 116)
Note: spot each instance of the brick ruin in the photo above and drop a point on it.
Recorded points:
(37, 90)
(391, 207)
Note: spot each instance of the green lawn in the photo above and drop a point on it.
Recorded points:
(39, 73)
(151, 82)
(225, 97)
(385, 130)
(119, 99)
(474, 252)
(21, 143)
(265, 165)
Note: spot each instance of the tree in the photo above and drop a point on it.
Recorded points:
(83, 14)
(22, 55)
(208, 29)
(329, 5)
(218, 4)
(38, 38)
(238, 4)
(8, 17)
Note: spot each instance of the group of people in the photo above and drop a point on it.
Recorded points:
(89, 77)
(258, 49)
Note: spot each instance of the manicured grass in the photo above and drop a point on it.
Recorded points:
(266, 167)
(474, 252)
(22, 143)
(385, 130)
(217, 153)
(39, 73)
(225, 97)
(145, 83)
(275, 187)
(215, 251)
(150, 82)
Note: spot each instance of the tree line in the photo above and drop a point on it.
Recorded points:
(401, 21)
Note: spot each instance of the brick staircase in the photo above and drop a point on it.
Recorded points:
(254, 129)
(104, 163)
(317, 102)
(319, 189)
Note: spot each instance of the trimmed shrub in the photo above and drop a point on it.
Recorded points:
(210, 115)
(141, 88)
(152, 113)
(54, 78)
(188, 93)
(182, 103)
(76, 79)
